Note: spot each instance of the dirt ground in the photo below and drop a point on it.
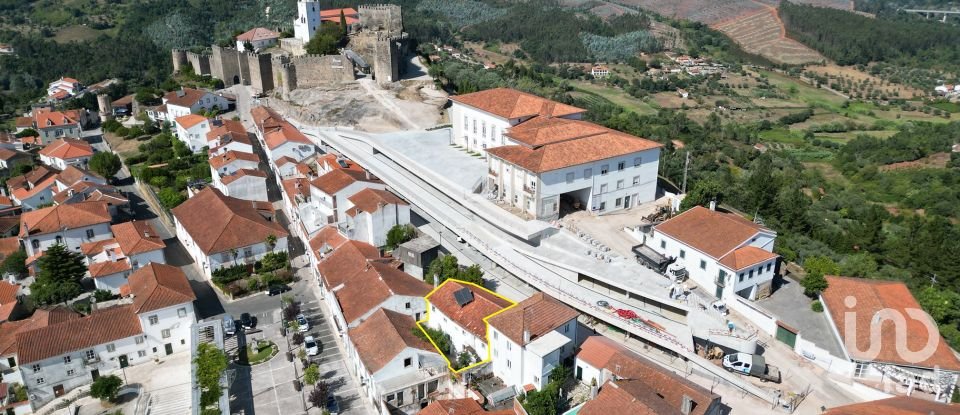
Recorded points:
(834, 71)
(121, 146)
(937, 161)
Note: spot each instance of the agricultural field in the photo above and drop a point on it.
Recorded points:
(590, 91)
(859, 84)
(762, 33)
(76, 33)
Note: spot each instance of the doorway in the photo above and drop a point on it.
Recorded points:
(168, 348)
(58, 391)
(123, 361)
(95, 374)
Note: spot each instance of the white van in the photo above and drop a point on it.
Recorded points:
(229, 326)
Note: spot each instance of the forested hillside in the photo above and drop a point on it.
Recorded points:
(849, 38)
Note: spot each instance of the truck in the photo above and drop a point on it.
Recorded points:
(753, 365)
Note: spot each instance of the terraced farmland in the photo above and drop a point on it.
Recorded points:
(762, 34)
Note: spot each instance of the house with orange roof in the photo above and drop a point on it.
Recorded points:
(279, 137)
(9, 361)
(11, 304)
(401, 371)
(192, 130)
(70, 225)
(229, 135)
(258, 38)
(379, 284)
(186, 101)
(467, 406)
(220, 231)
(246, 184)
(287, 168)
(50, 124)
(153, 322)
(65, 87)
(891, 343)
(897, 405)
(65, 152)
(111, 261)
(600, 71)
(723, 253)
(330, 191)
(231, 161)
(460, 310)
(531, 339)
(632, 384)
(371, 213)
(33, 189)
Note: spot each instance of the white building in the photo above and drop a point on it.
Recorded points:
(337, 265)
(69, 225)
(50, 124)
(73, 175)
(279, 137)
(371, 215)
(480, 119)
(163, 302)
(111, 261)
(192, 130)
(330, 191)
(228, 136)
(258, 38)
(220, 231)
(34, 189)
(724, 253)
(66, 85)
(308, 20)
(231, 161)
(186, 101)
(531, 339)
(378, 285)
(396, 367)
(600, 71)
(246, 184)
(66, 152)
(459, 309)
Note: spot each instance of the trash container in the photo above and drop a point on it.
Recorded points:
(289, 356)
(296, 385)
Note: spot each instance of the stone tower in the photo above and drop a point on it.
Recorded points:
(179, 59)
(106, 107)
(307, 21)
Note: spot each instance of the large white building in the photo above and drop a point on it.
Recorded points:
(542, 159)
(723, 253)
(50, 124)
(531, 339)
(192, 130)
(66, 152)
(308, 20)
(396, 367)
(246, 184)
(186, 101)
(221, 231)
(258, 38)
(371, 215)
(459, 309)
(70, 225)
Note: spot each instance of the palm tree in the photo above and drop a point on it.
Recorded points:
(271, 242)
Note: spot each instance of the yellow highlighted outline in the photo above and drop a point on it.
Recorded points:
(487, 331)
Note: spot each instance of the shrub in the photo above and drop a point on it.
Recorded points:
(816, 306)
(230, 274)
(105, 388)
(103, 295)
(274, 261)
(170, 197)
(297, 338)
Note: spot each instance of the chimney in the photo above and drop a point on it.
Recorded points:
(686, 406)
(526, 336)
(146, 234)
(713, 204)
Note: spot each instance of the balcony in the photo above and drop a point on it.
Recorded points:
(91, 361)
(529, 189)
(491, 172)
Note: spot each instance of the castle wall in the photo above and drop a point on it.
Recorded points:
(199, 63)
(179, 59)
(261, 71)
(374, 17)
(386, 61)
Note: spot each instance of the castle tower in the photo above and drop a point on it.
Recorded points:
(307, 21)
(106, 107)
(179, 59)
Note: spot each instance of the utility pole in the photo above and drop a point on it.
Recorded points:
(686, 166)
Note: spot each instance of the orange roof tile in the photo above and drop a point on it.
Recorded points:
(463, 406)
(188, 121)
(107, 268)
(218, 223)
(666, 387)
(157, 286)
(745, 257)
(231, 156)
(8, 292)
(510, 103)
(327, 239)
(554, 156)
(598, 350)
(627, 397)
(23, 193)
(713, 233)
(44, 117)
(241, 173)
(297, 186)
(336, 180)
(471, 315)
(102, 326)
(185, 97)
(345, 262)
(539, 131)
(371, 200)
(227, 127)
(257, 33)
(285, 134)
(96, 247)
(373, 286)
(380, 338)
(864, 299)
(67, 148)
(898, 405)
(137, 237)
(40, 318)
(538, 315)
(73, 175)
(56, 218)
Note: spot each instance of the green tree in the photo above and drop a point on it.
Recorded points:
(170, 197)
(942, 305)
(399, 234)
(325, 41)
(702, 193)
(858, 265)
(343, 24)
(813, 284)
(542, 402)
(820, 265)
(311, 374)
(15, 263)
(105, 388)
(21, 169)
(105, 163)
(247, 46)
(211, 362)
(29, 132)
(447, 267)
(59, 278)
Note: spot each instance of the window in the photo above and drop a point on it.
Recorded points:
(407, 362)
(182, 312)
(247, 252)
(400, 398)
(741, 277)
(508, 365)
(570, 177)
(703, 264)
(407, 306)
(474, 126)
(70, 372)
(59, 240)
(111, 348)
(138, 339)
(750, 275)
(483, 129)
(154, 320)
(636, 180)
(683, 253)
(90, 355)
(619, 184)
(859, 370)
(603, 188)
(769, 266)
(466, 121)
(496, 335)
(36, 368)
(141, 353)
(165, 333)
(603, 205)
(619, 201)
(663, 244)
(35, 244)
(604, 169)
(508, 346)
(89, 233)
(536, 380)
(637, 162)
(587, 173)
(66, 359)
(566, 328)
(40, 381)
(620, 166)
(391, 397)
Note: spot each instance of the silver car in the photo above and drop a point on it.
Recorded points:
(303, 325)
(310, 345)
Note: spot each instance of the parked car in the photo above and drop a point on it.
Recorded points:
(310, 345)
(246, 321)
(277, 289)
(229, 325)
(332, 406)
(753, 365)
(302, 324)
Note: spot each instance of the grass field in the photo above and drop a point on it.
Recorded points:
(76, 34)
(615, 96)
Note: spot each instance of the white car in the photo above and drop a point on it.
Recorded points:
(310, 345)
(303, 325)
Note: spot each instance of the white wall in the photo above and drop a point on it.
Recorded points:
(459, 336)
(194, 137)
(257, 44)
(72, 238)
(174, 321)
(295, 150)
(111, 282)
(246, 188)
(38, 199)
(524, 365)
(587, 373)
(372, 227)
(399, 303)
(233, 166)
(139, 260)
(63, 163)
(463, 128)
(231, 146)
(307, 20)
(50, 134)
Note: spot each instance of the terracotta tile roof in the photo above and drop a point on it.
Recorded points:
(713, 233)
(7, 154)
(627, 397)
(327, 239)
(222, 127)
(383, 336)
(284, 160)
(539, 131)
(371, 200)
(44, 117)
(107, 268)
(24, 122)
(125, 290)
(335, 180)
(510, 103)
(188, 121)
(4, 203)
(746, 256)
(67, 148)
(347, 12)
(73, 175)
(156, 286)
(231, 156)
(185, 97)
(137, 237)
(9, 245)
(287, 133)
(899, 405)
(112, 198)
(8, 292)
(665, 384)
(40, 318)
(69, 80)
(598, 350)
(56, 218)
(102, 326)
(23, 193)
(373, 286)
(96, 247)
(296, 186)
(346, 261)
(573, 152)
(258, 33)
(871, 297)
(218, 223)
(82, 189)
(463, 406)
(539, 315)
(240, 173)
(265, 118)
(471, 316)
(123, 101)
